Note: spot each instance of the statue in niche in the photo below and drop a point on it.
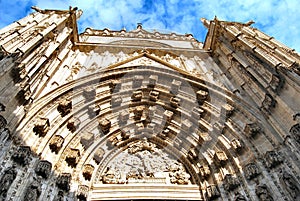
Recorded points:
(263, 193)
(2, 107)
(290, 185)
(295, 131)
(239, 197)
(59, 196)
(33, 191)
(3, 122)
(6, 180)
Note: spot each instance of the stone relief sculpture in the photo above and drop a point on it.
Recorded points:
(295, 131)
(263, 193)
(143, 161)
(290, 185)
(3, 122)
(7, 179)
(34, 190)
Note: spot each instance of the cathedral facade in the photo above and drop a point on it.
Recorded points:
(140, 115)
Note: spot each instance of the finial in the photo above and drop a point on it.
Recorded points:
(250, 23)
(139, 25)
(205, 22)
(37, 9)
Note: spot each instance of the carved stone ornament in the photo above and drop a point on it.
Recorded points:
(251, 171)
(63, 181)
(252, 129)
(268, 102)
(43, 168)
(230, 182)
(239, 197)
(56, 143)
(7, 179)
(263, 193)
(2, 107)
(290, 185)
(89, 94)
(104, 125)
(212, 192)
(272, 159)
(22, 155)
(82, 192)
(202, 96)
(59, 196)
(41, 127)
(204, 171)
(87, 140)
(64, 107)
(137, 95)
(88, 172)
(33, 191)
(220, 158)
(175, 102)
(237, 145)
(153, 95)
(295, 132)
(3, 122)
(98, 155)
(72, 157)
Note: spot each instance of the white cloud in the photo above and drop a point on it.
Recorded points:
(279, 19)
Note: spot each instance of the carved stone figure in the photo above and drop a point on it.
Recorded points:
(64, 107)
(272, 159)
(137, 95)
(56, 143)
(63, 181)
(42, 127)
(212, 192)
(22, 155)
(88, 171)
(239, 197)
(290, 185)
(43, 168)
(82, 192)
(263, 193)
(104, 125)
(251, 170)
(268, 102)
(230, 182)
(3, 122)
(73, 157)
(59, 196)
(33, 191)
(295, 131)
(252, 129)
(220, 158)
(2, 107)
(7, 179)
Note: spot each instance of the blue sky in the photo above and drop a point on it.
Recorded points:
(277, 18)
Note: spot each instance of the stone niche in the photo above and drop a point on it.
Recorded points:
(43, 168)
